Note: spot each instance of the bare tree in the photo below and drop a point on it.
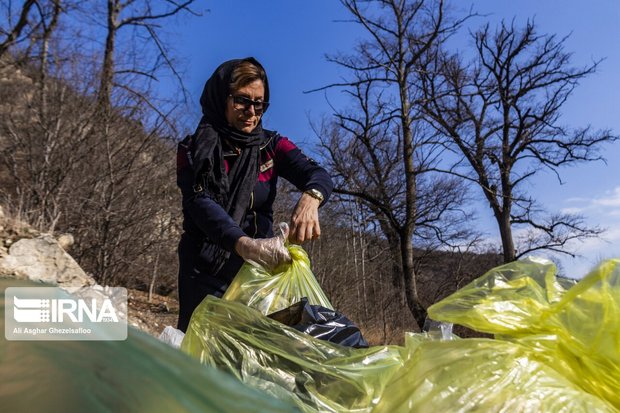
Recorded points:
(379, 149)
(501, 112)
(126, 72)
(144, 15)
(14, 30)
(35, 20)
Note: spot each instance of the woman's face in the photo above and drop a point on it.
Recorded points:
(239, 113)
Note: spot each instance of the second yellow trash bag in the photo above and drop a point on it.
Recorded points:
(266, 292)
(575, 330)
(481, 375)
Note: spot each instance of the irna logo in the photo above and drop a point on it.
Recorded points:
(29, 310)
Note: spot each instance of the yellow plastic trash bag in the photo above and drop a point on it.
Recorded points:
(292, 366)
(481, 375)
(572, 329)
(257, 288)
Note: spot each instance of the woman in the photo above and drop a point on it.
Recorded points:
(229, 190)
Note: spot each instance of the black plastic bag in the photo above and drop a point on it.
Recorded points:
(322, 323)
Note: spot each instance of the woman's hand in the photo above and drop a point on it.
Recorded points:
(305, 220)
(266, 252)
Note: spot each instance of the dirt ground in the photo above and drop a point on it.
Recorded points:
(151, 317)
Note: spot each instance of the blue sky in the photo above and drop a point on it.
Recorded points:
(291, 38)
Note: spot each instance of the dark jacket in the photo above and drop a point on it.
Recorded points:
(205, 219)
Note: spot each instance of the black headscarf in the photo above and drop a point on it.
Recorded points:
(233, 190)
(217, 89)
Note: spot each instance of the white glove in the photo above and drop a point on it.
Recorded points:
(266, 252)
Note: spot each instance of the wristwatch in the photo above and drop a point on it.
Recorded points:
(316, 194)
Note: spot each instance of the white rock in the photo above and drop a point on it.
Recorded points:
(66, 241)
(42, 259)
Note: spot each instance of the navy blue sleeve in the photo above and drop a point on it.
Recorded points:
(213, 221)
(305, 173)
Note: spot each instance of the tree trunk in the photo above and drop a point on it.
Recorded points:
(505, 231)
(501, 212)
(394, 245)
(107, 69)
(411, 291)
(153, 276)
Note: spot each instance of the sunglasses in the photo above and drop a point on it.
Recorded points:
(243, 103)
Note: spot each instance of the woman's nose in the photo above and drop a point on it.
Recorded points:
(250, 109)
